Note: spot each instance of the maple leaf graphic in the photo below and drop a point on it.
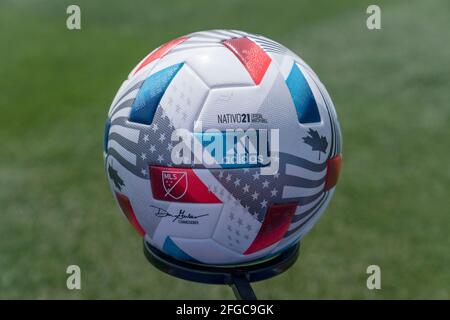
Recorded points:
(114, 176)
(316, 141)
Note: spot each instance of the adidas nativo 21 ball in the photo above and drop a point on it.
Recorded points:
(222, 147)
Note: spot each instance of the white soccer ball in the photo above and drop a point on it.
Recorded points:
(222, 147)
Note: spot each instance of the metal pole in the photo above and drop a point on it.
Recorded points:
(242, 288)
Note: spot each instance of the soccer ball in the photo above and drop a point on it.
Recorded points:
(222, 147)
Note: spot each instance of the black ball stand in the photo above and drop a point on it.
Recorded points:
(238, 277)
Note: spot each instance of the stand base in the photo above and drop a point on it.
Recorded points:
(238, 277)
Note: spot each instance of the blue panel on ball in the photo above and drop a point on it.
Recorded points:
(150, 94)
(303, 98)
(174, 251)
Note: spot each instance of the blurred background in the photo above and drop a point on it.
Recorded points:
(391, 91)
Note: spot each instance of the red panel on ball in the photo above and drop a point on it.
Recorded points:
(160, 52)
(333, 170)
(127, 209)
(255, 59)
(274, 227)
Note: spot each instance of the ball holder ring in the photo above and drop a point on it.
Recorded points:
(238, 277)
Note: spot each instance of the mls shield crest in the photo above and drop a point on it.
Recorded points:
(175, 184)
(179, 185)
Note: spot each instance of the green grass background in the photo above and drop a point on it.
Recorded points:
(391, 91)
